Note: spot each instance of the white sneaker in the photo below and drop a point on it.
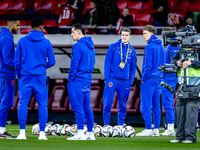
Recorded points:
(155, 132)
(42, 137)
(77, 137)
(21, 137)
(145, 133)
(91, 137)
(168, 133)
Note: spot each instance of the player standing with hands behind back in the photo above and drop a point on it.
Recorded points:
(34, 54)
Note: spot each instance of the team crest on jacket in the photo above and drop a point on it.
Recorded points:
(110, 84)
(130, 50)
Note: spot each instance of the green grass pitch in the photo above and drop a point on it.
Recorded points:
(101, 143)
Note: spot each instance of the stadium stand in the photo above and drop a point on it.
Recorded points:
(15, 104)
(3, 8)
(135, 7)
(181, 8)
(194, 7)
(16, 8)
(121, 5)
(49, 23)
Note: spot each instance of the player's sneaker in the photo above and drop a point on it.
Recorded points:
(77, 137)
(187, 141)
(2, 137)
(175, 141)
(42, 137)
(8, 136)
(145, 133)
(21, 137)
(91, 137)
(168, 133)
(155, 132)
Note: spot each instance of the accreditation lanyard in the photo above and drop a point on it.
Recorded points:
(122, 54)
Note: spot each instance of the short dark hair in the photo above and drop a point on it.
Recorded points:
(169, 12)
(167, 29)
(79, 26)
(36, 22)
(150, 28)
(13, 18)
(126, 30)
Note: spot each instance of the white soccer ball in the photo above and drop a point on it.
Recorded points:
(48, 129)
(36, 129)
(107, 131)
(97, 130)
(55, 130)
(117, 132)
(73, 130)
(128, 132)
(65, 130)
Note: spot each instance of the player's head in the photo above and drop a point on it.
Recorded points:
(77, 31)
(125, 35)
(148, 31)
(37, 24)
(13, 24)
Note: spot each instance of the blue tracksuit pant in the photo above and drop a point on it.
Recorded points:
(168, 99)
(150, 99)
(123, 88)
(79, 98)
(28, 84)
(7, 91)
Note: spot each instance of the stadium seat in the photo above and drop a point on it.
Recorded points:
(49, 23)
(44, 8)
(87, 7)
(136, 106)
(194, 7)
(63, 108)
(31, 103)
(141, 20)
(3, 8)
(15, 104)
(16, 8)
(145, 8)
(114, 109)
(23, 23)
(134, 7)
(181, 8)
(3, 22)
(121, 6)
(27, 30)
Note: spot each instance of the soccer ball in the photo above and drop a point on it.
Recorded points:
(65, 130)
(73, 130)
(128, 132)
(55, 130)
(107, 131)
(116, 132)
(36, 129)
(97, 130)
(48, 129)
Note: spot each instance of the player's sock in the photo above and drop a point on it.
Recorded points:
(42, 133)
(2, 130)
(22, 131)
(81, 132)
(89, 133)
(170, 127)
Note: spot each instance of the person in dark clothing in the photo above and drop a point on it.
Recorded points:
(158, 9)
(107, 13)
(127, 18)
(174, 20)
(78, 6)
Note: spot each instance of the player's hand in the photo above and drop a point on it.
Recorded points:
(94, 26)
(74, 7)
(186, 64)
(109, 26)
(179, 63)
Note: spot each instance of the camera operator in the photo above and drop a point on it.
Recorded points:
(187, 107)
(167, 96)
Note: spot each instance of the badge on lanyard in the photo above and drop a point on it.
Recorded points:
(121, 65)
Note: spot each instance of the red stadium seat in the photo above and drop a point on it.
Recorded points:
(87, 7)
(49, 23)
(16, 8)
(134, 7)
(31, 103)
(141, 20)
(63, 108)
(3, 22)
(145, 8)
(194, 7)
(121, 6)
(23, 23)
(114, 109)
(181, 8)
(133, 18)
(44, 8)
(16, 101)
(27, 30)
(3, 8)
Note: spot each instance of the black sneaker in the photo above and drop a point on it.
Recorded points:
(8, 136)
